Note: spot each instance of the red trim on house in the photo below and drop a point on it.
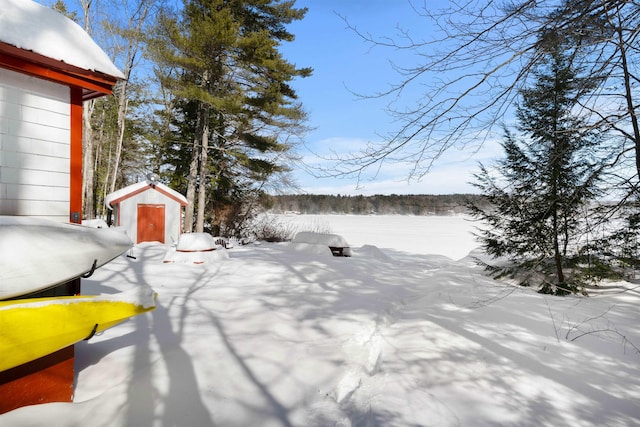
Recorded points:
(93, 84)
(161, 191)
(75, 184)
(142, 190)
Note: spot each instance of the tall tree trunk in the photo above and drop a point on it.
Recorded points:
(198, 165)
(629, 92)
(88, 192)
(191, 185)
(97, 162)
(123, 103)
(105, 179)
(194, 168)
(133, 40)
(556, 247)
(202, 189)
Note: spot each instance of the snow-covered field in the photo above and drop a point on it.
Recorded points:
(407, 332)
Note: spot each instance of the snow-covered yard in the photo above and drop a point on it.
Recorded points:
(406, 332)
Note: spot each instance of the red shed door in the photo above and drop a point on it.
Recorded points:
(150, 223)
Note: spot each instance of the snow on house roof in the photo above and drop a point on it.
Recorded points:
(30, 26)
(131, 190)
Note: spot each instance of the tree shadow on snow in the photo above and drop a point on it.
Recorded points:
(181, 403)
(377, 301)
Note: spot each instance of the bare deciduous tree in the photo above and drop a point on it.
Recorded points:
(131, 34)
(469, 70)
(87, 133)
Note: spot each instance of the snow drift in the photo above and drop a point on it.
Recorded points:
(389, 337)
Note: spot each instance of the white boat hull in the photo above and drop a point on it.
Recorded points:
(37, 254)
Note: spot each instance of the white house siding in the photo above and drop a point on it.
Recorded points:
(34, 147)
(128, 214)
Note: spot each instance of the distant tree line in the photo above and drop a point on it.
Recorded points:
(394, 204)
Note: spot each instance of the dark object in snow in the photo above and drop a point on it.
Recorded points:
(337, 244)
(338, 251)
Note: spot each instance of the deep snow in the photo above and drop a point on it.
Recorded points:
(408, 331)
(31, 26)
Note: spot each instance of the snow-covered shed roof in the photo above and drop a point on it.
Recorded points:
(126, 192)
(34, 32)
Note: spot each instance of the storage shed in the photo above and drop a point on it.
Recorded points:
(48, 66)
(148, 211)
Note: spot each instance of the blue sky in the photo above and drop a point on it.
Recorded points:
(340, 121)
(343, 63)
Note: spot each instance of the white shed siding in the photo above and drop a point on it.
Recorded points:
(34, 147)
(128, 214)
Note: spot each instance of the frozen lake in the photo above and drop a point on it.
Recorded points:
(445, 235)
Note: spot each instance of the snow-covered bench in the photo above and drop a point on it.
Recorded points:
(337, 244)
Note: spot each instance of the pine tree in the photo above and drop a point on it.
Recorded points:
(233, 98)
(546, 177)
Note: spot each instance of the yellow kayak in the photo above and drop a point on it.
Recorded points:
(33, 328)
